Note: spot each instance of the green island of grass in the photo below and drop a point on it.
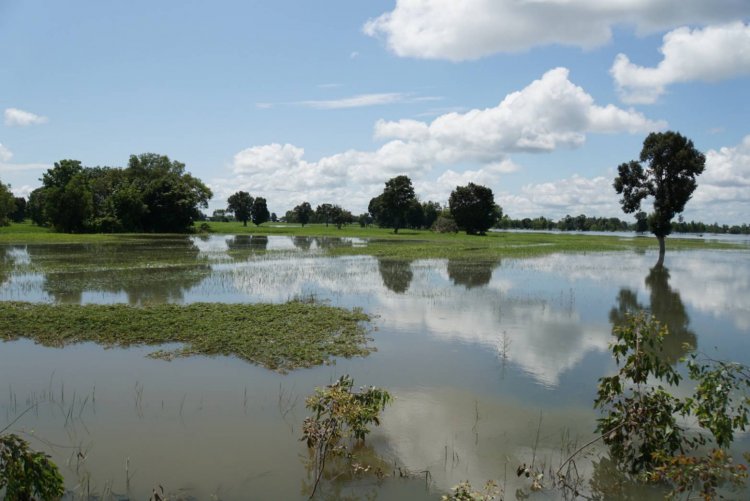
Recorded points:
(280, 337)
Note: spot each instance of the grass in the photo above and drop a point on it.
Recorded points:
(409, 244)
(280, 337)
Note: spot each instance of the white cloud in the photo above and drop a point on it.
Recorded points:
(469, 29)
(16, 117)
(723, 192)
(5, 154)
(709, 54)
(357, 101)
(555, 199)
(548, 114)
(23, 191)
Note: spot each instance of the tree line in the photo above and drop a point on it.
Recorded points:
(152, 194)
(155, 194)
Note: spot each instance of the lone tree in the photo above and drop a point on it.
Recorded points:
(390, 208)
(474, 209)
(303, 212)
(241, 203)
(260, 211)
(671, 166)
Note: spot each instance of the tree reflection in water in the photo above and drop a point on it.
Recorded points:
(155, 271)
(396, 274)
(666, 306)
(471, 274)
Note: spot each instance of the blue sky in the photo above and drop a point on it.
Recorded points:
(324, 101)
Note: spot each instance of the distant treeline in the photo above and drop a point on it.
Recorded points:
(587, 223)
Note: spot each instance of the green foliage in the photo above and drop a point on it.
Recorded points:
(281, 337)
(19, 213)
(672, 164)
(445, 225)
(153, 194)
(474, 209)
(640, 423)
(465, 492)
(26, 474)
(241, 204)
(341, 416)
(302, 213)
(7, 204)
(260, 211)
(391, 208)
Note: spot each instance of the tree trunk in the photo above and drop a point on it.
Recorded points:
(662, 249)
(244, 222)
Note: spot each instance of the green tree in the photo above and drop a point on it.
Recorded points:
(390, 208)
(671, 165)
(260, 211)
(19, 213)
(67, 201)
(241, 203)
(303, 212)
(36, 207)
(173, 198)
(431, 211)
(323, 213)
(340, 217)
(7, 204)
(474, 209)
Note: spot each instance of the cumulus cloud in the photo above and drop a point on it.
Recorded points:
(723, 192)
(21, 118)
(709, 54)
(469, 29)
(548, 114)
(555, 199)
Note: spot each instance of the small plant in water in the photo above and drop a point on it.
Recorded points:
(26, 474)
(640, 423)
(341, 419)
(465, 492)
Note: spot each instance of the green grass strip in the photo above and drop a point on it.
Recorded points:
(280, 337)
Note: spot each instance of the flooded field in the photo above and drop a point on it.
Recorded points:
(492, 363)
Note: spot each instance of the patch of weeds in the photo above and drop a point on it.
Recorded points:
(280, 337)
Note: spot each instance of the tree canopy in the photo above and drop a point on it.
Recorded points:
(241, 204)
(260, 211)
(7, 204)
(666, 172)
(474, 209)
(303, 212)
(391, 208)
(153, 194)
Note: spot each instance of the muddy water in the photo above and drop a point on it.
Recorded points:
(493, 364)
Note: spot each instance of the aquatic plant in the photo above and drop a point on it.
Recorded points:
(26, 474)
(341, 416)
(640, 415)
(280, 337)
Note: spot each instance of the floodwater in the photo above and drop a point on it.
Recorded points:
(493, 364)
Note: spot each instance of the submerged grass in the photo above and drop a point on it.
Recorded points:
(280, 337)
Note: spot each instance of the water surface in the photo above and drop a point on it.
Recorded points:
(481, 356)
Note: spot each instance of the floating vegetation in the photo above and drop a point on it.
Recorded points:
(280, 337)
